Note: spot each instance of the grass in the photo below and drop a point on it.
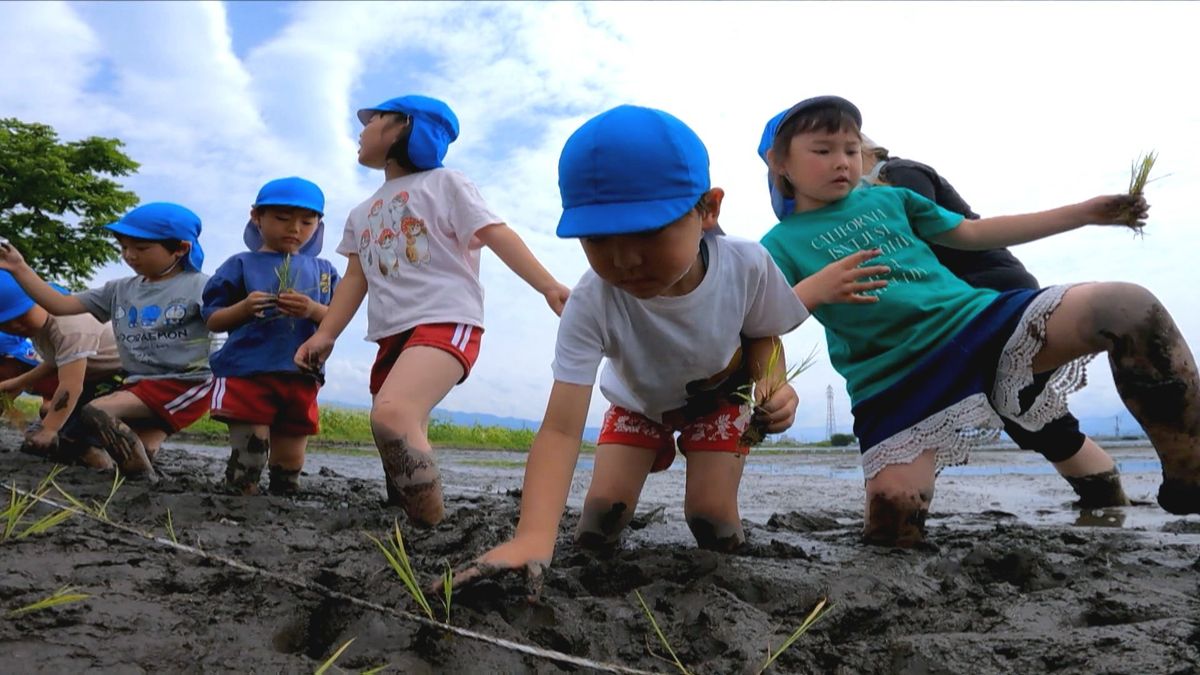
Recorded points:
(13, 517)
(393, 550)
(97, 509)
(329, 662)
(171, 528)
(60, 597)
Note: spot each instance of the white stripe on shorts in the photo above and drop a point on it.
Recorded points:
(218, 393)
(466, 337)
(189, 397)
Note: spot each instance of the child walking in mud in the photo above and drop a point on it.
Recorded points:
(270, 300)
(413, 251)
(161, 337)
(77, 358)
(1086, 467)
(927, 358)
(687, 318)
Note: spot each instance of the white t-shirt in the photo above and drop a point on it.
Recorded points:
(415, 238)
(665, 351)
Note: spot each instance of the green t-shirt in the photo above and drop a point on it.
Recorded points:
(874, 345)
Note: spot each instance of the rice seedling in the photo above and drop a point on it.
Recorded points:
(817, 612)
(376, 669)
(757, 430)
(97, 508)
(171, 528)
(285, 275)
(658, 631)
(447, 589)
(397, 558)
(60, 597)
(19, 505)
(329, 662)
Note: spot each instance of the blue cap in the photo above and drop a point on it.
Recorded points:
(434, 127)
(19, 348)
(14, 301)
(629, 170)
(782, 206)
(293, 191)
(164, 220)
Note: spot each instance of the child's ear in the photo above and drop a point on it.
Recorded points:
(185, 247)
(254, 216)
(712, 208)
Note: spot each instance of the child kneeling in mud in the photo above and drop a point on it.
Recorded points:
(928, 358)
(270, 300)
(160, 335)
(688, 318)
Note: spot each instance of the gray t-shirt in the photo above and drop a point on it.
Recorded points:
(160, 333)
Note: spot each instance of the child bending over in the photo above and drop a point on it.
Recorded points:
(687, 319)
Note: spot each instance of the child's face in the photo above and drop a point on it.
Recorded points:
(655, 263)
(149, 258)
(285, 229)
(377, 138)
(823, 167)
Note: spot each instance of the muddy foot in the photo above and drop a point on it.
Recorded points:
(1179, 497)
(283, 482)
(898, 521)
(413, 482)
(1099, 491)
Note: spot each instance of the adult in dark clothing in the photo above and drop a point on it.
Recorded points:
(1083, 463)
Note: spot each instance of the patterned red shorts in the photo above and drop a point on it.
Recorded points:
(719, 431)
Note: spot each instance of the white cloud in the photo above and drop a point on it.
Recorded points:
(1022, 106)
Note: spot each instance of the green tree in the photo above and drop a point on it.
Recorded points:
(841, 440)
(56, 197)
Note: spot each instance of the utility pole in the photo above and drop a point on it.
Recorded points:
(1117, 426)
(830, 422)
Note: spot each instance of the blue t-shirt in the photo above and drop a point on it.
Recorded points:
(265, 344)
(874, 345)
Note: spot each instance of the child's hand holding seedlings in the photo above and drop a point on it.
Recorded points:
(841, 281)
(299, 305)
(778, 409)
(1129, 210)
(256, 303)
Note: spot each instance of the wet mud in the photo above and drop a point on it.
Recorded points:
(990, 593)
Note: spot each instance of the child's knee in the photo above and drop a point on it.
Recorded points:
(389, 421)
(602, 521)
(896, 515)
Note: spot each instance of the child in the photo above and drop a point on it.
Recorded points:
(270, 301)
(670, 302)
(160, 335)
(18, 357)
(927, 358)
(413, 250)
(1086, 467)
(76, 355)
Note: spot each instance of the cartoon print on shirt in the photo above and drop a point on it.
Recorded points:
(385, 247)
(175, 314)
(366, 248)
(150, 314)
(416, 246)
(397, 208)
(133, 316)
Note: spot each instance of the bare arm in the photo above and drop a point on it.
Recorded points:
(510, 248)
(66, 396)
(1003, 231)
(346, 299)
(42, 293)
(26, 379)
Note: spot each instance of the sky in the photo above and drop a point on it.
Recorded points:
(1022, 106)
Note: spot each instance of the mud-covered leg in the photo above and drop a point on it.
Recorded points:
(251, 445)
(618, 476)
(898, 500)
(1152, 366)
(1093, 475)
(710, 500)
(287, 459)
(121, 443)
(413, 479)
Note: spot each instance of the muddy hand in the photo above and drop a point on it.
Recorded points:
(1125, 209)
(480, 569)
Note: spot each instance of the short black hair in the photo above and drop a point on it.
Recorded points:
(172, 245)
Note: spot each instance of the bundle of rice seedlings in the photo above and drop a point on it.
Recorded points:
(285, 276)
(1139, 175)
(757, 430)
(819, 611)
(60, 597)
(19, 505)
(397, 557)
(661, 638)
(97, 509)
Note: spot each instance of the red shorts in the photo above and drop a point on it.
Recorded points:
(719, 431)
(457, 339)
(178, 403)
(287, 403)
